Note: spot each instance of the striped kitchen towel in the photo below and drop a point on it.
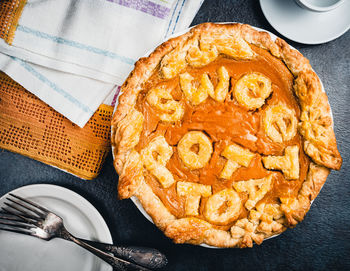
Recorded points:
(72, 53)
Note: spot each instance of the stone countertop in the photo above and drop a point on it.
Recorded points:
(320, 242)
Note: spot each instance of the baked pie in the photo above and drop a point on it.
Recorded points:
(224, 135)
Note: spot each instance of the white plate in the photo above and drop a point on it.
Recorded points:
(135, 199)
(26, 253)
(304, 26)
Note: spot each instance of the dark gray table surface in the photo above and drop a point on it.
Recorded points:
(320, 242)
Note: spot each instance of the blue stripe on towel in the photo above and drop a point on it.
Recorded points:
(52, 85)
(178, 15)
(75, 44)
(171, 20)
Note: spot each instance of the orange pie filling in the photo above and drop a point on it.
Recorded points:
(220, 141)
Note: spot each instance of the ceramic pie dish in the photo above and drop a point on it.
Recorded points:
(224, 135)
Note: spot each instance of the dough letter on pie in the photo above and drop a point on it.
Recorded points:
(161, 99)
(200, 94)
(252, 89)
(236, 157)
(193, 94)
(223, 207)
(155, 156)
(280, 123)
(288, 163)
(195, 149)
(222, 87)
(256, 188)
(193, 193)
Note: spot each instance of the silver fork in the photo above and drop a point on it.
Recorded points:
(29, 218)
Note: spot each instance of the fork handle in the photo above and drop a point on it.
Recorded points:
(114, 261)
(147, 257)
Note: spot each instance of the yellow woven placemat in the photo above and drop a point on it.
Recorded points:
(10, 12)
(30, 127)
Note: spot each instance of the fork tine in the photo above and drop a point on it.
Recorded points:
(8, 216)
(40, 214)
(31, 203)
(26, 219)
(22, 212)
(16, 230)
(16, 224)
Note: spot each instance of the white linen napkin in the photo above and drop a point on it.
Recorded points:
(72, 53)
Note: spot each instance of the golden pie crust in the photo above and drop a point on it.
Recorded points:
(224, 135)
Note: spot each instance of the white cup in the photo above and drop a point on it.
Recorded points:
(319, 5)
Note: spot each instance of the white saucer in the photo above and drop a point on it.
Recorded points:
(21, 252)
(303, 26)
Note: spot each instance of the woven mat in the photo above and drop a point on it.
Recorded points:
(10, 12)
(30, 127)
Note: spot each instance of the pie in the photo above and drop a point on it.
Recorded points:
(224, 135)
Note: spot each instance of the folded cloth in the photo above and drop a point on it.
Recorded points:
(75, 97)
(72, 53)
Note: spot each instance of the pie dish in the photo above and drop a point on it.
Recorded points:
(224, 136)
